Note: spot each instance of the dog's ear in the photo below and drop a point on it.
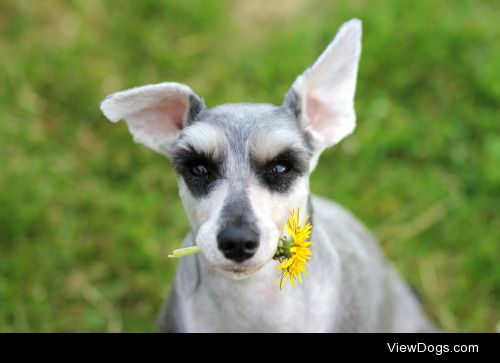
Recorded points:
(323, 96)
(155, 114)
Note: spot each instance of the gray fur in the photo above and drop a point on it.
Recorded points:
(292, 101)
(196, 105)
(236, 209)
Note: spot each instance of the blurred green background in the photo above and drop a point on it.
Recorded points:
(87, 217)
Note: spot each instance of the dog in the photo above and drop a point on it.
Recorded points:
(241, 168)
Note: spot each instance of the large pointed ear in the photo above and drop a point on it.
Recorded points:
(323, 96)
(155, 114)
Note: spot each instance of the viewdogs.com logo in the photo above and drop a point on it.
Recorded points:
(437, 349)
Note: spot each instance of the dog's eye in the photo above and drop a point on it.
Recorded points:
(279, 169)
(199, 170)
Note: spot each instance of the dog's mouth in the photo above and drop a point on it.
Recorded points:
(238, 272)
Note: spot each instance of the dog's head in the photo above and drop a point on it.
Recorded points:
(241, 167)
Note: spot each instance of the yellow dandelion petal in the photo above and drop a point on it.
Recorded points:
(294, 263)
(287, 263)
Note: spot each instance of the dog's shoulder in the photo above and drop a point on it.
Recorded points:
(331, 213)
(342, 226)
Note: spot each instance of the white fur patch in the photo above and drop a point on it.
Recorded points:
(204, 138)
(267, 144)
(272, 208)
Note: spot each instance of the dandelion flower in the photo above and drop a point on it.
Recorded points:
(293, 253)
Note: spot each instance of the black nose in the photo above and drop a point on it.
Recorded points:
(238, 243)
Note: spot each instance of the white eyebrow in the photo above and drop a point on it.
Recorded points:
(203, 138)
(267, 144)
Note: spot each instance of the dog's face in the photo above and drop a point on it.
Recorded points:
(242, 167)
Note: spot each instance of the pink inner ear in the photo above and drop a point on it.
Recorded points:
(321, 118)
(167, 116)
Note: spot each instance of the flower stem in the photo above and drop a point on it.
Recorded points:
(185, 251)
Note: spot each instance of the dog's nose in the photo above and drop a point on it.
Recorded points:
(238, 243)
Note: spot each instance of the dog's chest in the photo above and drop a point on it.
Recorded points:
(258, 305)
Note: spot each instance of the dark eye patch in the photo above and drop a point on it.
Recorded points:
(199, 171)
(279, 173)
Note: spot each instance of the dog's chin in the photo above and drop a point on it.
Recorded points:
(238, 272)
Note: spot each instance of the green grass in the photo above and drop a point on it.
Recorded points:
(87, 218)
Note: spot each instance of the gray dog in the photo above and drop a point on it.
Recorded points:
(241, 168)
